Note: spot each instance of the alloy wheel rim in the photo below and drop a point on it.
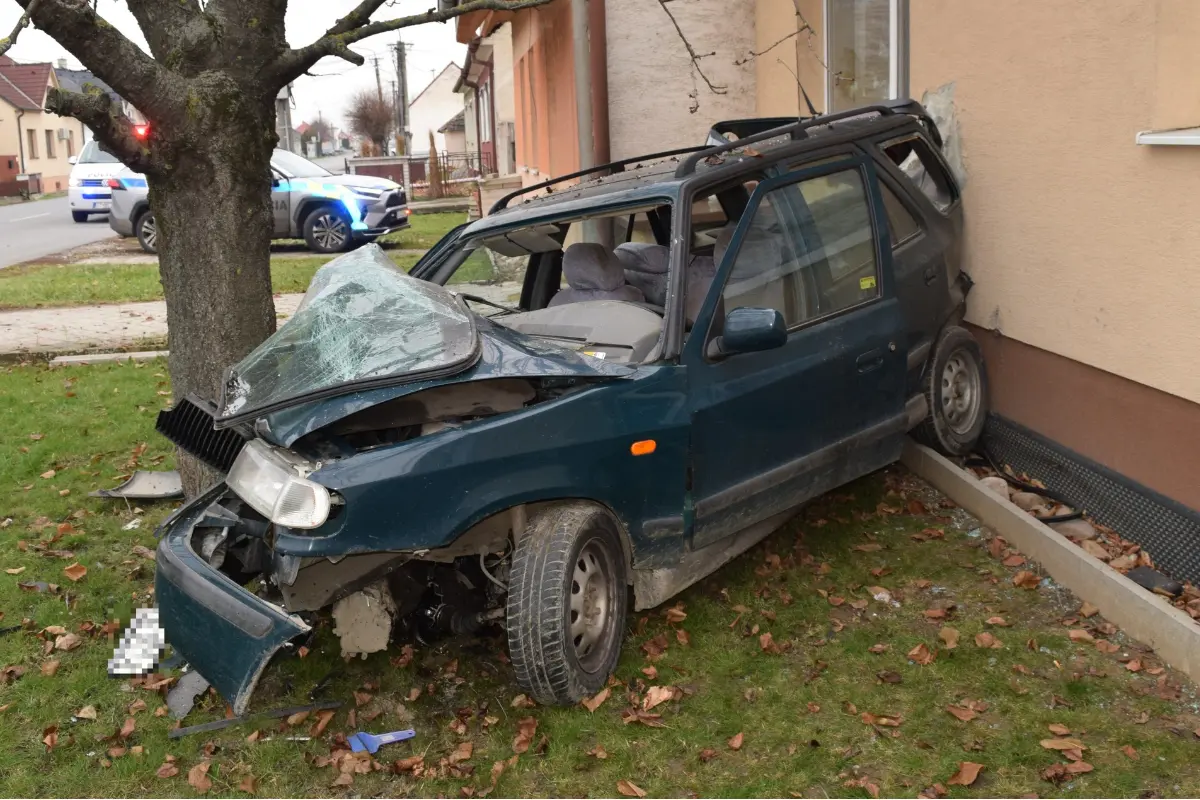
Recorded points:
(961, 392)
(150, 232)
(329, 231)
(590, 616)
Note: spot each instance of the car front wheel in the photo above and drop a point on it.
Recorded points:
(567, 597)
(956, 389)
(327, 230)
(79, 216)
(146, 230)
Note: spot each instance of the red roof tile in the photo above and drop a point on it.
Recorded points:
(24, 85)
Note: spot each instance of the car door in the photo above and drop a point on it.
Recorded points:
(772, 429)
(924, 213)
(281, 205)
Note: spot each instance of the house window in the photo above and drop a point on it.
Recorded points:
(49, 143)
(31, 136)
(70, 143)
(485, 111)
(868, 52)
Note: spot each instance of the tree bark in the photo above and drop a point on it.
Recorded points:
(212, 208)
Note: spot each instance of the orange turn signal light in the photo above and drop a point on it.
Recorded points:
(643, 448)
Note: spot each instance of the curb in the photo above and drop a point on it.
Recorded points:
(101, 358)
(1142, 614)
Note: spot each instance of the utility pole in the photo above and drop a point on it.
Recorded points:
(378, 80)
(403, 137)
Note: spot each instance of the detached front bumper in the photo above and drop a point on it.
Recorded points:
(224, 632)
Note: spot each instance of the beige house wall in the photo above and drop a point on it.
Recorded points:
(1081, 242)
(54, 171)
(788, 63)
(657, 101)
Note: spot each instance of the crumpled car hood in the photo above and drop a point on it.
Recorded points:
(504, 353)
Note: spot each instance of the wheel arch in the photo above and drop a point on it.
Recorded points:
(306, 207)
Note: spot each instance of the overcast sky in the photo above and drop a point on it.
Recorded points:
(431, 48)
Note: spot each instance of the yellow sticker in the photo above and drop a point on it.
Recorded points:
(866, 283)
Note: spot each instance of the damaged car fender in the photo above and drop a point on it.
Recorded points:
(200, 606)
(424, 492)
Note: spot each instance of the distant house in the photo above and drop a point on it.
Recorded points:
(486, 85)
(78, 80)
(432, 107)
(455, 132)
(39, 142)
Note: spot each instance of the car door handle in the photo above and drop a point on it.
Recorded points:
(931, 274)
(872, 359)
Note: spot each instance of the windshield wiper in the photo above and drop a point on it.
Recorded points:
(487, 302)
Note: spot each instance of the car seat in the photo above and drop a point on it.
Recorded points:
(646, 268)
(593, 273)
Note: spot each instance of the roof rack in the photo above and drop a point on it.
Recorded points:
(614, 166)
(796, 130)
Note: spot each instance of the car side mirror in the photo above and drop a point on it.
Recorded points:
(72, 160)
(749, 330)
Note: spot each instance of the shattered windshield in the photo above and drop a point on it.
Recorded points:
(363, 322)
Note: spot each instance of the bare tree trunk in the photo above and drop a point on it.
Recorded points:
(213, 212)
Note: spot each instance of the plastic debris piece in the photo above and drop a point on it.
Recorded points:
(146, 485)
(278, 713)
(182, 696)
(371, 743)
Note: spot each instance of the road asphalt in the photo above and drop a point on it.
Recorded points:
(41, 227)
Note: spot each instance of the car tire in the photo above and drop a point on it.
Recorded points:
(146, 230)
(79, 216)
(567, 568)
(327, 230)
(956, 389)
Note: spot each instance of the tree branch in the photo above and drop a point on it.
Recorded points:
(22, 23)
(166, 24)
(753, 54)
(111, 127)
(692, 52)
(355, 27)
(103, 49)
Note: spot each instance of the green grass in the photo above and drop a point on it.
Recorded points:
(425, 230)
(92, 421)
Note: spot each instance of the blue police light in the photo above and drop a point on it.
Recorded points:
(332, 191)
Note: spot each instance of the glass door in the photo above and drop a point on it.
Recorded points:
(867, 57)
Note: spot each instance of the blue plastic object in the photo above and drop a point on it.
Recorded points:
(371, 743)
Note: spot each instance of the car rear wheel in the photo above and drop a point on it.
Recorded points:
(956, 387)
(326, 230)
(567, 597)
(79, 216)
(146, 231)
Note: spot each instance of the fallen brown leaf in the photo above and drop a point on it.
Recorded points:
(167, 770)
(323, 719)
(987, 640)
(963, 714)
(1014, 561)
(870, 547)
(1088, 610)
(879, 649)
(1058, 729)
(708, 754)
(526, 728)
(813, 708)
(1134, 665)
(651, 672)
(656, 695)
(592, 703)
(676, 614)
(881, 719)
(949, 636)
(521, 701)
(1130, 751)
(50, 667)
(87, 712)
(996, 621)
(462, 753)
(921, 655)
(50, 737)
(735, 742)
(1026, 580)
(935, 613)
(408, 764)
(630, 789)
(249, 785)
(15, 570)
(1105, 646)
(597, 752)
(968, 771)
(1062, 743)
(75, 572)
(127, 729)
(198, 777)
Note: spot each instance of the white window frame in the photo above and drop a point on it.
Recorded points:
(898, 69)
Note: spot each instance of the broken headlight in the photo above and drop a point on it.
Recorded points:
(272, 481)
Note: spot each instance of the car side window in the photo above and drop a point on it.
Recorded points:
(819, 264)
(919, 164)
(901, 223)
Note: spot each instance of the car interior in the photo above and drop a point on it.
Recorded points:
(608, 300)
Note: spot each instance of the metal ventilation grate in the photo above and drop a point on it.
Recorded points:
(1167, 529)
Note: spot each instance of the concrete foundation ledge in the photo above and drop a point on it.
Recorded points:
(1140, 613)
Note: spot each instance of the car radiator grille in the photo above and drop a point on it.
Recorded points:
(394, 199)
(190, 425)
(92, 182)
